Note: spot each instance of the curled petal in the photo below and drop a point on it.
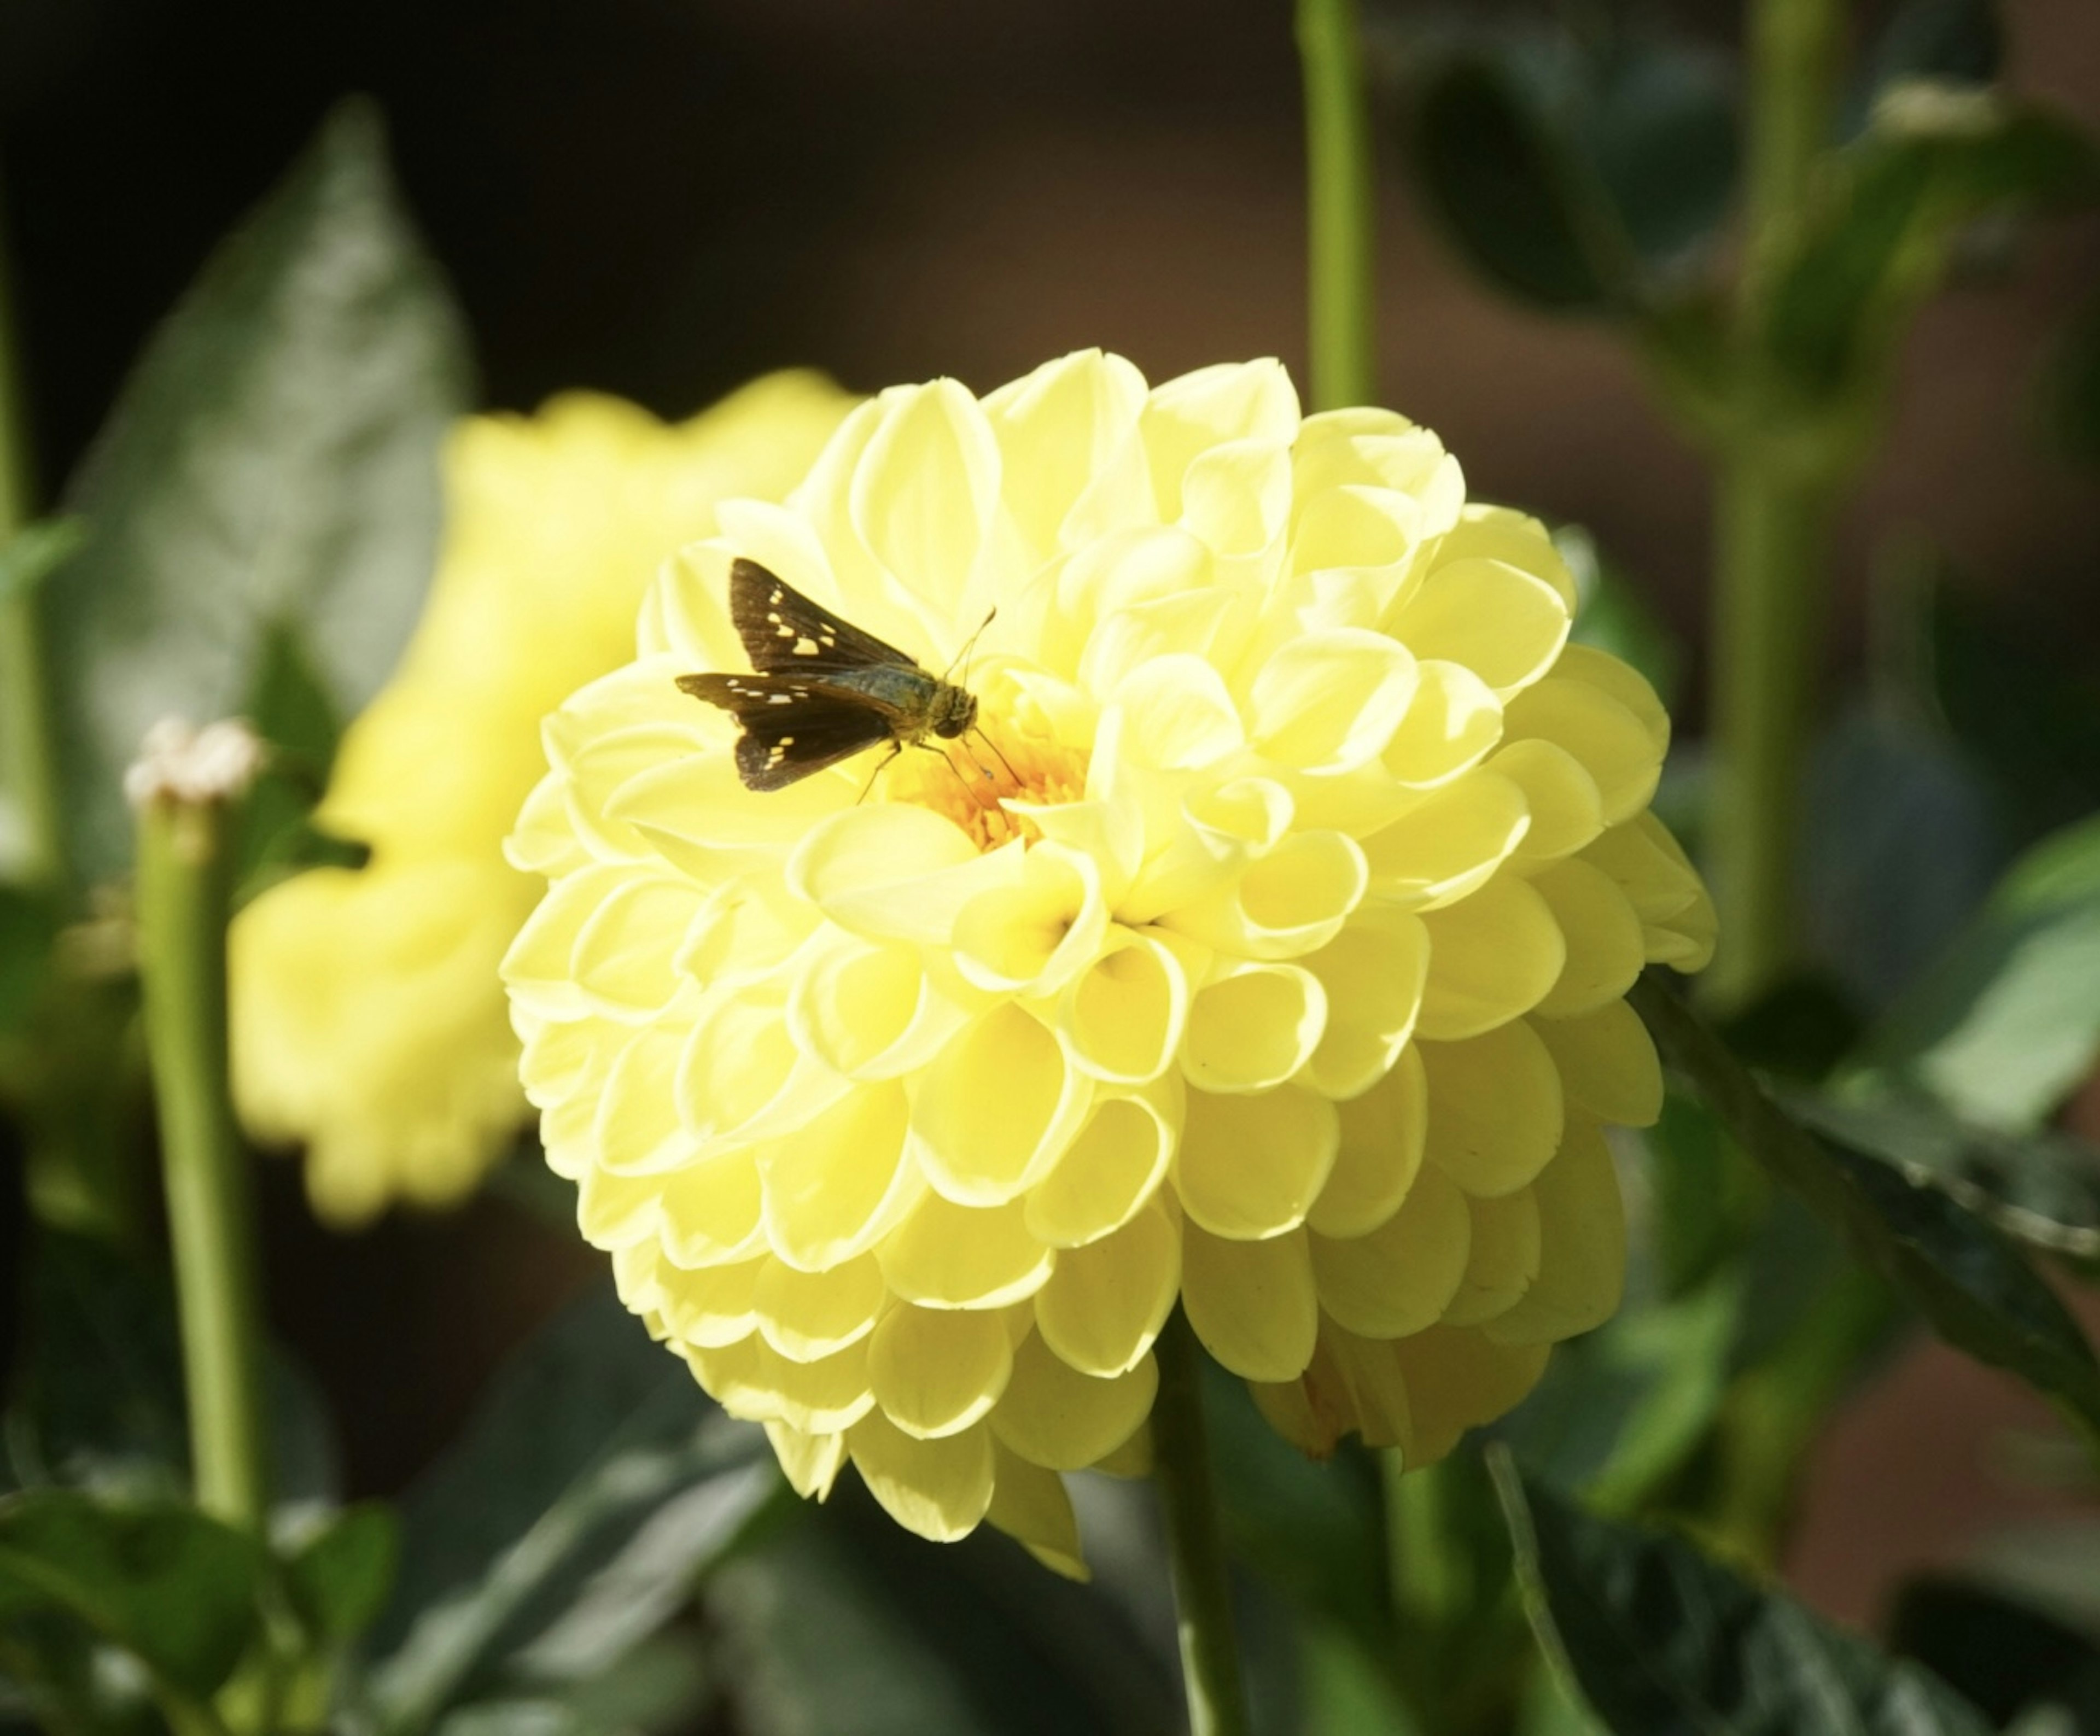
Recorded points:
(1250, 1168)
(1253, 1304)
(1055, 1417)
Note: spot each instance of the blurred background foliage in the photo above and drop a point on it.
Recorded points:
(663, 197)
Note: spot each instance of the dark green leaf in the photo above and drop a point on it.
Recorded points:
(1663, 1640)
(2007, 1021)
(2031, 717)
(290, 708)
(2043, 1188)
(1935, 161)
(1967, 1278)
(2002, 1655)
(660, 1686)
(175, 1588)
(1877, 907)
(1659, 121)
(340, 1577)
(1509, 192)
(273, 458)
(1961, 41)
(594, 1486)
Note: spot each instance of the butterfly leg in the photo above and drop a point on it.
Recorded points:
(1002, 758)
(881, 766)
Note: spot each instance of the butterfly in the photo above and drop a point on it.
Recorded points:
(822, 690)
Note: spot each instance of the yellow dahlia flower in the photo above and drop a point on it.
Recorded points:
(368, 1023)
(1266, 952)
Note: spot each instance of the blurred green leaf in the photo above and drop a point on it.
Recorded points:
(1612, 615)
(1936, 159)
(1664, 1640)
(29, 926)
(2042, 1188)
(661, 1686)
(594, 1486)
(2003, 1655)
(273, 458)
(1658, 118)
(339, 1578)
(1962, 1274)
(1876, 908)
(289, 705)
(1510, 194)
(2007, 1021)
(1960, 41)
(1342, 1694)
(2032, 719)
(175, 1589)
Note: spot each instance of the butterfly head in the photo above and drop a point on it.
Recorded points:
(951, 710)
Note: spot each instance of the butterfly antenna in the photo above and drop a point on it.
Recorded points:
(969, 645)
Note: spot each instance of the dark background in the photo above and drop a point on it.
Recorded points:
(662, 198)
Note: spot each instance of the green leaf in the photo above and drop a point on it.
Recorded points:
(2007, 1022)
(1960, 41)
(175, 1589)
(289, 705)
(1937, 159)
(273, 458)
(1659, 123)
(572, 1520)
(2042, 1188)
(1514, 197)
(1663, 1640)
(29, 926)
(2003, 1654)
(339, 1578)
(1962, 1274)
(2031, 717)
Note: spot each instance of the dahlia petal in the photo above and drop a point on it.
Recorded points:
(810, 1462)
(712, 1307)
(895, 871)
(537, 967)
(937, 1489)
(1400, 1278)
(1360, 526)
(948, 1256)
(1286, 902)
(1503, 1260)
(737, 1061)
(1380, 1148)
(1036, 935)
(1253, 1304)
(1126, 639)
(924, 491)
(1055, 1417)
(713, 1210)
(992, 1113)
(1105, 1302)
(1121, 1019)
(1032, 1506)
(638, 1130)
(1447, 846)
(1188, 416)
(1326, 702)
(1582, 1256)
(1178, 714)
(1452, 722)
(614, 1211)
(1559, 795)
(1494, 1109)
(1505, 624)
(1360, 1379)
(696, 813)
(1253, 1028)
(836, 1184)
(1607, 1063)
(1623, 683)
(1494, 956)
(1613, 745)
(935, 1371)
(1056, 427)
(1374, 973)
(866, 1011)
(1605, 947)
(1500, 533)
(752, 1380)
(805, 1316)
(1458, 1379)
(1249, 1167)
(1113, 1165)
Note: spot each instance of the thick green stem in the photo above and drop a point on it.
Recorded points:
(28, 774)
(1341, 206)
(1195, 1546)
(1771, 554)
(184, 880)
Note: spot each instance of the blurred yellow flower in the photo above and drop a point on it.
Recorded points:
(1267, 952)
(368, 1023)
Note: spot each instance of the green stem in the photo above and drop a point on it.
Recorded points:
(184, 881)
(1341, 209)
(28, 772)
(1195, 1548)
